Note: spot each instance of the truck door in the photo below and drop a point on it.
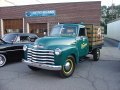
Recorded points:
(82, 42)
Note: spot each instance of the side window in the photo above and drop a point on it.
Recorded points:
(32, 39)
(18, 39)
(24, 39)
(82, 32)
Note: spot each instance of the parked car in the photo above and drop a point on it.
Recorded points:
(11, 46)
(64, 47)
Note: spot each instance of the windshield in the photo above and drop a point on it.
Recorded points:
(64, 31)
(9, 38)
(1, 41)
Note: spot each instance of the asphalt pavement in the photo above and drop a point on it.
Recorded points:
(89, 75)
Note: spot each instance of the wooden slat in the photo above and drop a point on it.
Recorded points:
(93, 37)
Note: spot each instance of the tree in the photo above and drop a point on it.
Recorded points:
(108, 14)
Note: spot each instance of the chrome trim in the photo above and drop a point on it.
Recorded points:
(41, 62)
(40, 59)
(3, 61)
(10, 50)
(41, 50)
(2, 51)
(40, 53)
(43, 66)
(14, 50)
(40, 56)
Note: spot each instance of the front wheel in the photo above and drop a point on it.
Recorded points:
(96, 54)
(68, 68)
(2, 60)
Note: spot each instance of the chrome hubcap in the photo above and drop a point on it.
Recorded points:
(98, 54)
(67, 66)
(2, 60)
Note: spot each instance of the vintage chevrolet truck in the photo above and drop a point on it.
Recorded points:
(64, 47)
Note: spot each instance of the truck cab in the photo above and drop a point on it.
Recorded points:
(61, 50)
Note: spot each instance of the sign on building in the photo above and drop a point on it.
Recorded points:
(40, 13)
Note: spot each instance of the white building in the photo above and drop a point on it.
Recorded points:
(113, 29)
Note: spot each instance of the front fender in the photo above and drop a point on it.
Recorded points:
(66, 51)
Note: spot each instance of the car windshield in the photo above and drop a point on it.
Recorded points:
(64, 31)
(9, 38)
(1, 41)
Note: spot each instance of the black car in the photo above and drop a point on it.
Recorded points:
(11, 46)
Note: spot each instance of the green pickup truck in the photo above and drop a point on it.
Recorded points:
(63, 48)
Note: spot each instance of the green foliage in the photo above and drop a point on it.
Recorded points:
(109, 14)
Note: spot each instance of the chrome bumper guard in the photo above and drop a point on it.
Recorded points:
(43, 66)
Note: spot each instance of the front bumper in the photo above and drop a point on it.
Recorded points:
(43, 66)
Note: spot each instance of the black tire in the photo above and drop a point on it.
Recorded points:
(33, 68)
(2, 60)
(68, 71)
(96, 54)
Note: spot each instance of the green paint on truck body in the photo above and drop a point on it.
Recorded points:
(70, 43)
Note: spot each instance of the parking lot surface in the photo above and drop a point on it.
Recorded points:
(89, 75)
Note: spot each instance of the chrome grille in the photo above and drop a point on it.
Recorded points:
(41, 56)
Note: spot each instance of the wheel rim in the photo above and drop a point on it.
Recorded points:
(98, 54)
(2, 60)
(68, 67)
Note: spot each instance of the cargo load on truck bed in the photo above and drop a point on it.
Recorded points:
(95, 35)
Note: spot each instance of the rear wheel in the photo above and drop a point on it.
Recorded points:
(96, 54)
(68, 68)
(2, 60)
(33, 68)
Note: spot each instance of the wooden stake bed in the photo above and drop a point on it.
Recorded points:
(95, 35)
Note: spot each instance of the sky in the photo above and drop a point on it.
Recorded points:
(4, 3)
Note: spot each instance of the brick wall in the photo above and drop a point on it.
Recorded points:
(87, 12)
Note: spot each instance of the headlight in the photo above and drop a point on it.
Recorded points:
(24, 47)
(57, 51)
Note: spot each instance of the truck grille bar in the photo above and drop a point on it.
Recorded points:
(41, 56)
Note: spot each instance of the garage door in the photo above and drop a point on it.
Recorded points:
(38, 28)
(13, 25)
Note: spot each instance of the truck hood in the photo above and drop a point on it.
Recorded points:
(55, 41)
